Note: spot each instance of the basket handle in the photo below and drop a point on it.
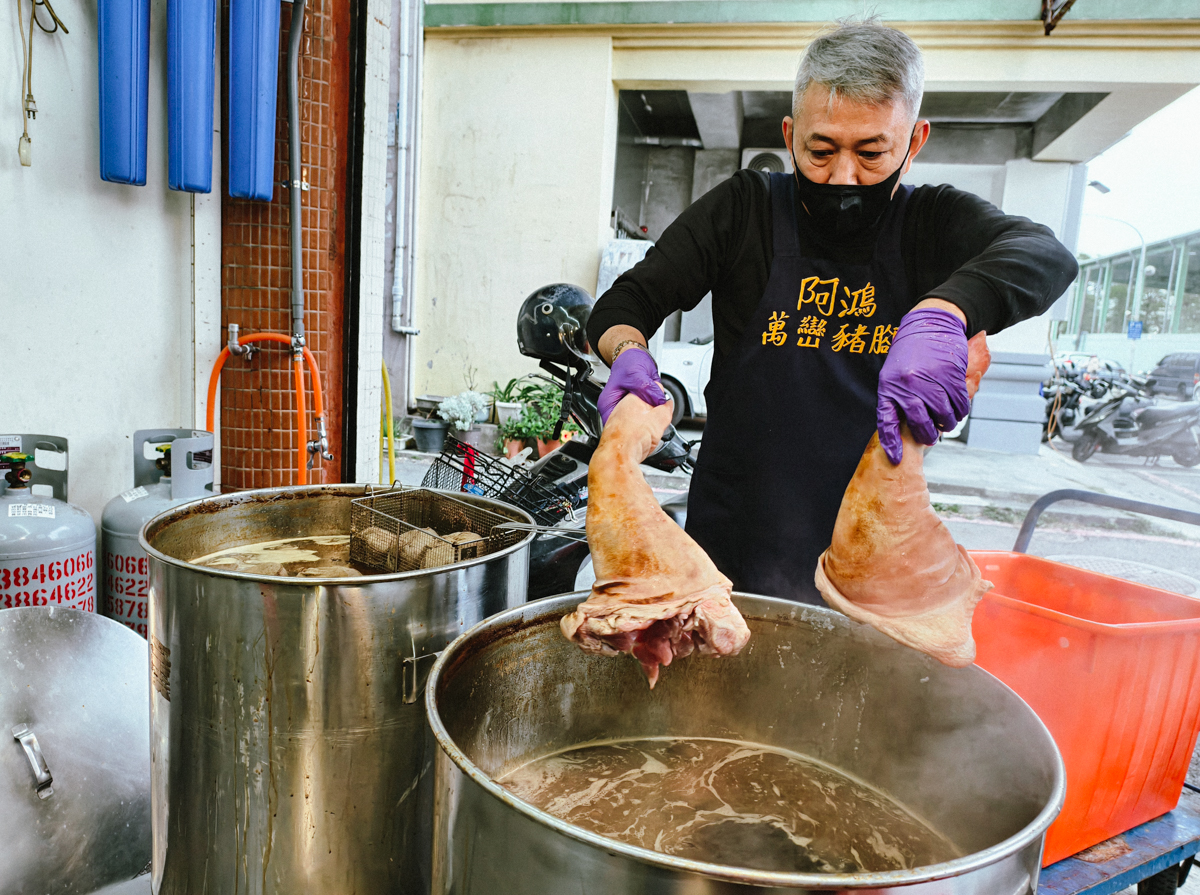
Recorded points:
(1025, 535)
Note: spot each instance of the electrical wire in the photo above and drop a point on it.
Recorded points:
(28, 105)
(1053, 423)
(26, 71)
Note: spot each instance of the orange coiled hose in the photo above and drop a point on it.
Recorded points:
(301, 411)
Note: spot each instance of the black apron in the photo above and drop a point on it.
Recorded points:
(793, 406)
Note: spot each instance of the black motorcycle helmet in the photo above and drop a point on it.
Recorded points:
(553, 321)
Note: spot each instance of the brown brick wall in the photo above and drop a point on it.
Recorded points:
(258, 413)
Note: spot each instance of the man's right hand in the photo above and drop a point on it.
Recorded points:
(633, 373)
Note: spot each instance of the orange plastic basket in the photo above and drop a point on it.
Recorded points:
(1113, 670)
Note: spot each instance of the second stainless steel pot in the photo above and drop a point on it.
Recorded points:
(955, 746)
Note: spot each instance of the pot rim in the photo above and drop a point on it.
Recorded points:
(539, 611)
(267, 495)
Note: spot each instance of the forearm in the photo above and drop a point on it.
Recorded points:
(613, 337)
(997, 269)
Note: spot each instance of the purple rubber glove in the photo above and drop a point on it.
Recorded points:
(633, 373)
(923, 380)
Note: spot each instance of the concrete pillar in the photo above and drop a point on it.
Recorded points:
(718, 118)
(377, 128)
(667, 186)
(711, 167)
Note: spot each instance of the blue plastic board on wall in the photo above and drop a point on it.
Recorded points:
(253, 82)
(191, 35)
(123, 30)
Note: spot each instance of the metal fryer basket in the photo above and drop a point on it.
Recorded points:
(402, 530)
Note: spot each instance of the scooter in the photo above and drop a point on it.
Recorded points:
(1063, 396)
(550, 329)
(1129, 423)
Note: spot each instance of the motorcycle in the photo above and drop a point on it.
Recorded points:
(551, 329)
(1128, 422)
(1063, 396)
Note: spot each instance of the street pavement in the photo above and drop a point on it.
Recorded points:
(972, 483)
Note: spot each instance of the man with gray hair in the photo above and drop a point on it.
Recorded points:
(842, 303)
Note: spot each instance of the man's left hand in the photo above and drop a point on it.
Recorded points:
(924, 379)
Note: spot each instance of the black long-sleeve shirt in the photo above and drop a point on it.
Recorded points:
(999, 269)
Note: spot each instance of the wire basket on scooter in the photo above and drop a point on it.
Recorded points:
(461, 467)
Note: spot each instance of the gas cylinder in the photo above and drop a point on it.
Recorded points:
(182, 471)
(47, 546)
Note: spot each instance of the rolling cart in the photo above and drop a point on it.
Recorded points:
(1156, 857)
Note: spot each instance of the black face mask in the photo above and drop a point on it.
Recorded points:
(846, 210)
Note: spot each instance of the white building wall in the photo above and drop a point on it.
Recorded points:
(985, 181)
(517, 149)
(110, 294)
(1047, 192)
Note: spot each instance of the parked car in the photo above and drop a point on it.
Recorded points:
(684, 368)
(1178, 374)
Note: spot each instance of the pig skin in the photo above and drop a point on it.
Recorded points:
(892, 563)
(657, 595)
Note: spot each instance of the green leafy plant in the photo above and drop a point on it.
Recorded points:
(539, 416)
(519, 390)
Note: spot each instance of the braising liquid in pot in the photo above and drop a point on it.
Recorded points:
(321, 556)
(728, 802)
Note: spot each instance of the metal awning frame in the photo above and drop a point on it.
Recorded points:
(1052, 12)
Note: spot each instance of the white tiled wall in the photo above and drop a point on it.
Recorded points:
(371, 261)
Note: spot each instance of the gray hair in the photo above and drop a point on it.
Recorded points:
(866, 62)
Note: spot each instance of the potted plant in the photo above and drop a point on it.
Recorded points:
(462, 411)
(540, 416)
(511, 398)
(430, 434)
(513, 433)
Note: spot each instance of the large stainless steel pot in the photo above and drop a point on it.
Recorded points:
(289, 747)
(954, 745)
